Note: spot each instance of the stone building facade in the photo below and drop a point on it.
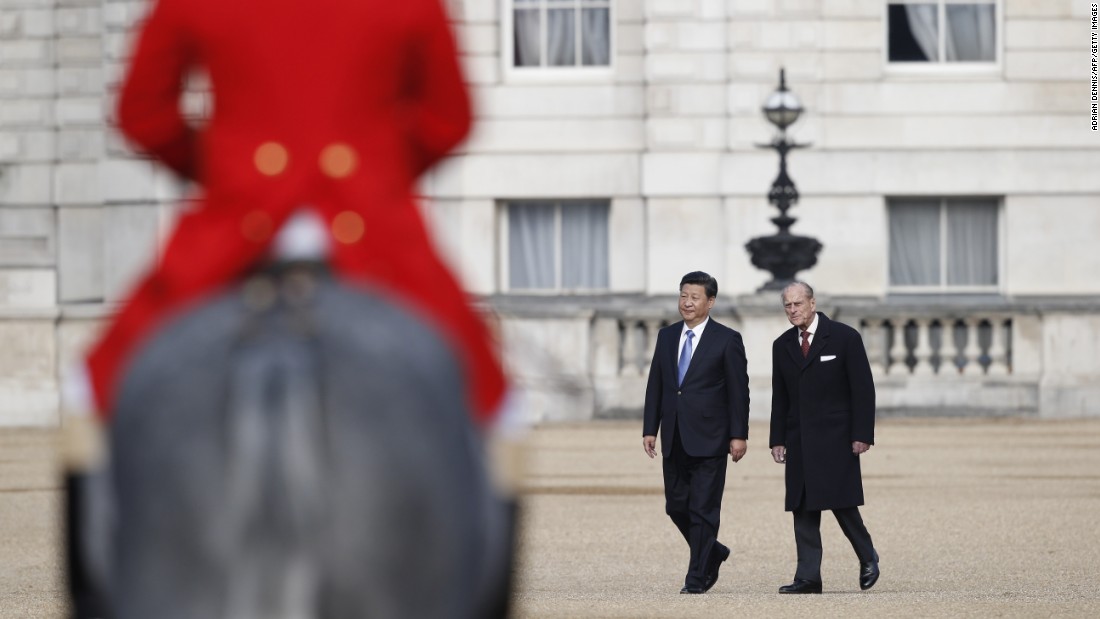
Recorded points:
(615, 150)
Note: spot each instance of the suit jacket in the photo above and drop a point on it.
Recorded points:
(339, 107)
(820, 404)
(711, 406)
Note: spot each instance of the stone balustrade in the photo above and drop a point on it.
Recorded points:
(575, 358)
(950, 346)
(947, 355)
(638, 338)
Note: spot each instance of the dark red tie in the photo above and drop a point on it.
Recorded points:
(805, 344)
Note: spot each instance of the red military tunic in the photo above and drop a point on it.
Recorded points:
(335, 104)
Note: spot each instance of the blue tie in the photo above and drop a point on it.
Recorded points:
(685, 357)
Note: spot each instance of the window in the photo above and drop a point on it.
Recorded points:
(943, 243)
(561, 33)
(942, 31)
(556, 245)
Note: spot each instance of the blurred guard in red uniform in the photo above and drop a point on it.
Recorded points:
(324, 111)
(338, 105)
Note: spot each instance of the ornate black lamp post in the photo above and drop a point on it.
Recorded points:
(783, 254)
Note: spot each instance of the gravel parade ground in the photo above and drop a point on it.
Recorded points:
(971, 518)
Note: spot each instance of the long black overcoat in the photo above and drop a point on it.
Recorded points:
(820, 404)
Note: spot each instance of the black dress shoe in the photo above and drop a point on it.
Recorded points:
(801, 586)
(692, 590)
(868, 573)
(715, 565)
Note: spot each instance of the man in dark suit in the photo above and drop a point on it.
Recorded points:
(698, 396)
(823, 418)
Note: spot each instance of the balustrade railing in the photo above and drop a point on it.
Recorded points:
(949, 346)
(926, 356)
(978, 345)
(638, 336)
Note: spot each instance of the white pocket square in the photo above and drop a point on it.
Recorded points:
(828, 357)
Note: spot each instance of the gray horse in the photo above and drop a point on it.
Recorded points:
(295, 448)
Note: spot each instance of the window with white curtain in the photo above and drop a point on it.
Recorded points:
(944, 244)
(941, 31)
(561, 33)
(559, 245)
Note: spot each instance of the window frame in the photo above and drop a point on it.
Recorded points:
(544, 74)
(503, 250)
(944, 287)
(943, 68)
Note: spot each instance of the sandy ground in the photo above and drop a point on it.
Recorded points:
(970, 518)
(30, 558)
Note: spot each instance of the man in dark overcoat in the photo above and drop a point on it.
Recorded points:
(823, 419)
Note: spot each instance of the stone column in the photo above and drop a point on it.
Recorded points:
(632, 332)
(998, 352)
(923, 350)
(898, 350)
(875, 342)
(972, 351)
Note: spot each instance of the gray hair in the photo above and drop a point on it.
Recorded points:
(805, 287)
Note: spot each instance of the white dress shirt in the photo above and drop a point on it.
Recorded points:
(698, 330)
(811, 331)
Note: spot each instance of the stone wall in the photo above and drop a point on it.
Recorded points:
(667, 133)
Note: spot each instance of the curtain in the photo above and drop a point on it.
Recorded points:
(971, 242)
(923, 26)
(561, 37)
(561, 33)
(531, 230)
(584, 240)
(914, 242)
(526, 30)
(970, 33)
(595, 37)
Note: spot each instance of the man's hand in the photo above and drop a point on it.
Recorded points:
(779, 454)
(649, 443)
(858, 447)
(738, 447)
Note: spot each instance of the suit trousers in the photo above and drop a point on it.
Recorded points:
(693, 500)
(807, 536)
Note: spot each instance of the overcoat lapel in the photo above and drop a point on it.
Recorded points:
(794, 347)
(674, 346)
